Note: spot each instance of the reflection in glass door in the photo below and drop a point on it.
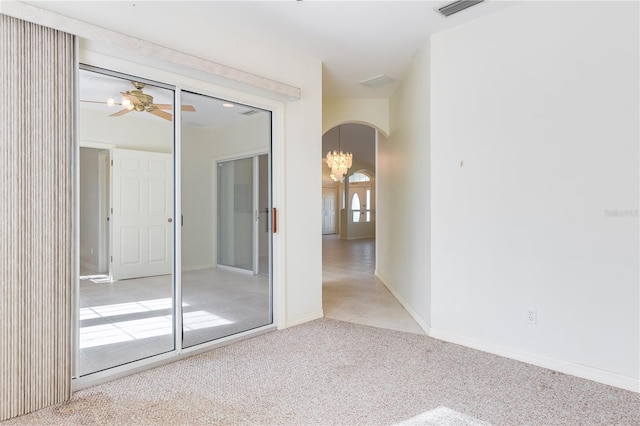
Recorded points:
(226, 237)
(126, 230)
(243, 214)
(236, 214)
(263, 259)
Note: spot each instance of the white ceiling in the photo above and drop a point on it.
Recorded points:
(355, 40)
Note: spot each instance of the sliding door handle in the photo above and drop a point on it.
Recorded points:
(274, 219)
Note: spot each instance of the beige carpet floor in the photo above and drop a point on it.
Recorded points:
(329, 372)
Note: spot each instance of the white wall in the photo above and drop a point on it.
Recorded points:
(540, 101)
(303, 186)
(127, 132)
(403, 176)
(89, 204)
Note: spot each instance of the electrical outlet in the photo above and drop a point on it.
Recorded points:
(532, 316)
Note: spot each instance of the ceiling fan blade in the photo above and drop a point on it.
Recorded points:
(93, 102)
(189, 108)
(121, 112)
(159, 113)
(132, 98)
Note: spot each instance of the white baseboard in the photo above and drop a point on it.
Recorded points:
(567, 367)
(571, 368)
(301, 319)
(421, 322)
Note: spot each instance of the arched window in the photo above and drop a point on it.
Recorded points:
(355, 207)
(359, 177)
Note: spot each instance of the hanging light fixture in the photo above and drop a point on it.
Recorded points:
(339, 161)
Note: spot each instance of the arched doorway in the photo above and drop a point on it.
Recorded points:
(351, 291)
(338, 214)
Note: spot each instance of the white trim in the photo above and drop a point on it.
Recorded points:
(97, 145)
(75, 219)
(301, 319)
(137, 50)
(567, 367)
(241, 155)
(278, 198)
(177, 223)
(421, 322)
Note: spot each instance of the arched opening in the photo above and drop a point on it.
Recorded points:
(338, 212)
(350, 289)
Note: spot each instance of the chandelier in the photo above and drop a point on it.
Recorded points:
(339, 162)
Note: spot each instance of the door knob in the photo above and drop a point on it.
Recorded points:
(170, 220)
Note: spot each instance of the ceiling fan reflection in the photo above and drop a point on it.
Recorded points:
(137, 100)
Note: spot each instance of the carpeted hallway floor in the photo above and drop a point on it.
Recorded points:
(330, 372)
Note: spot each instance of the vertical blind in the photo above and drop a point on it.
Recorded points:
(36, 128)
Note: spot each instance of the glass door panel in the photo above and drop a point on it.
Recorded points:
(226, 238)
(126, 229)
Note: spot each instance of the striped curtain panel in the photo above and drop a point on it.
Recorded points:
(37, 73)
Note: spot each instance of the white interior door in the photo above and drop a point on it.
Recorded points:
(141, 219)
(329, 196)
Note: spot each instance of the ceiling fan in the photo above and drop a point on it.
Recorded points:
(137, 100)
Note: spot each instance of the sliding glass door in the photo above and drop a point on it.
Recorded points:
(136, 153)
(226, 238)
(126, 214)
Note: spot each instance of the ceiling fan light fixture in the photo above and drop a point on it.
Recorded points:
(137, 100)
(127, 104)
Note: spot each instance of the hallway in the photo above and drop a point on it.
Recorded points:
(350, 290)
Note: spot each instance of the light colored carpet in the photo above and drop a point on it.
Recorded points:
(329, 372)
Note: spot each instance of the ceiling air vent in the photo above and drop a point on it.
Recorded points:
(457, 6)
(250, 112)
(377, 81)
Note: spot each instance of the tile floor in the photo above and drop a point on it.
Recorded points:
(350, 290)
(128, 320)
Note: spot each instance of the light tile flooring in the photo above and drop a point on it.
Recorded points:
(350, 290)
(128, 320)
